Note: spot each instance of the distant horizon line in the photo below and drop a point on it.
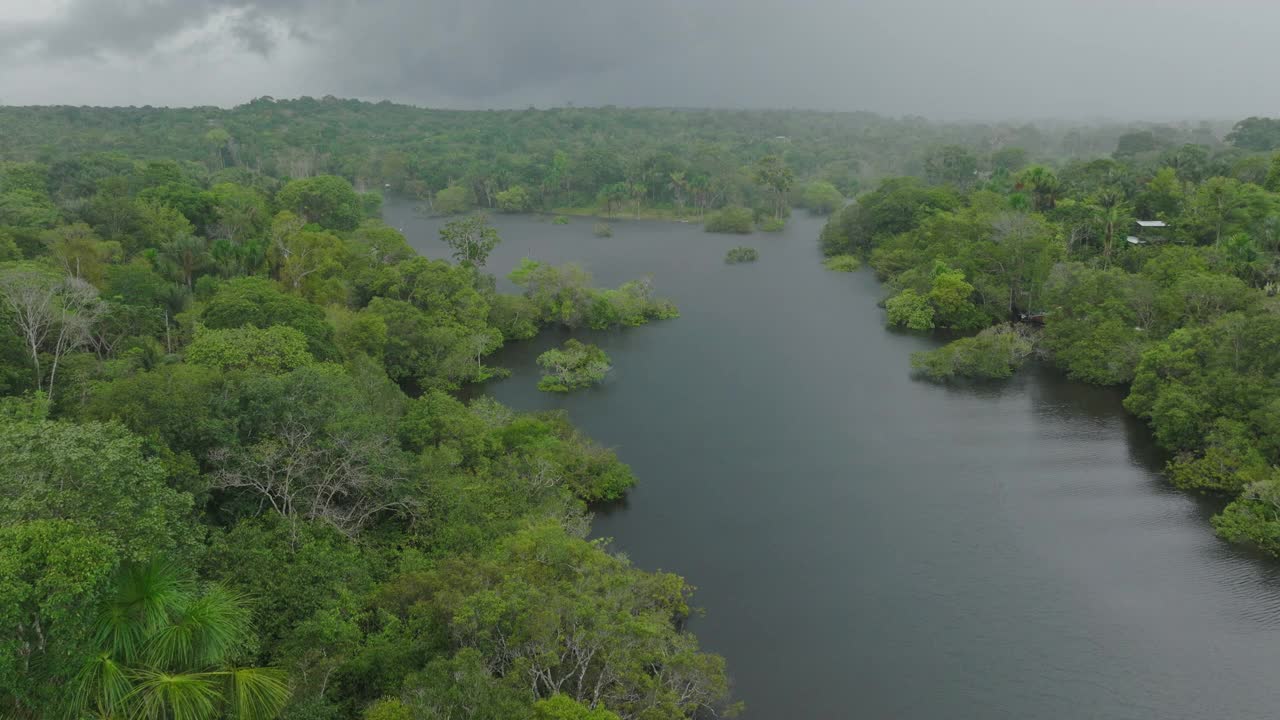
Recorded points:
(570, 105)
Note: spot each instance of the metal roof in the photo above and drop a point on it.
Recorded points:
(1151, 223)
(1135, 240)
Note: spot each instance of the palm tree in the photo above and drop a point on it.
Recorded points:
(1113, 212)
(185, 256)
(700, 187)
(166, 651)
(1043, 184)
(678, 185)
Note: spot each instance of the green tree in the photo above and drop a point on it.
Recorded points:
(241, 212)
(169, 650)
(27, 209)
(275, 349)
(1163, 198)
(950, 165)
(55, 573)
(1256, 133)
(822, 198)
(79, 251)
(185, 257)
(308, 262)
(327, 200)
(613, 195)
(911, 310)
(1043, 185)
(950, 296)
(1222, 206)
(178, 403)
(772, 172)
(1009, 159)
(896, 206)
(430, 349)
(572, 366)
(993, 354)
(731, 219)
(1272, 182)
(1230, 462)
(94, 474)
(258, 302)
(195, 204)
(562, 707)
(471, 239)
(514, 199)
(1096, 329)
(453, 200)
(1114, 214)
(1136, 143)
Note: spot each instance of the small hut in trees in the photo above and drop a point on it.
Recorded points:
(1146, 232)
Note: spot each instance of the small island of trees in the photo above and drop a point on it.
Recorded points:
(572, 366)
(732, 220)
(741, 254)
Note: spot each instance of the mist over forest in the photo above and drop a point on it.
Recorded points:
(985, 59)
(663, 360)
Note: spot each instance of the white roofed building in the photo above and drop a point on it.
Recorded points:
(1146, 231)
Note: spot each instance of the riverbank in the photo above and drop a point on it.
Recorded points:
(644, 214)
(851, 530)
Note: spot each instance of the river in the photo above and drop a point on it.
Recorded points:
(867, 545)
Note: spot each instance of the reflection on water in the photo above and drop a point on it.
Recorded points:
(868, 545)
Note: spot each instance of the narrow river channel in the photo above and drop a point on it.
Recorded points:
(866, 545)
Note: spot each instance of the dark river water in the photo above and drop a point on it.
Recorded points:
(866, 545)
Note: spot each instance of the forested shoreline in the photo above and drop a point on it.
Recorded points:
(670, 162)
(236, 479)
(1154, 269)
(235, 482)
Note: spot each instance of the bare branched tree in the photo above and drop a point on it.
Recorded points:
(53, 315)
(301, 472)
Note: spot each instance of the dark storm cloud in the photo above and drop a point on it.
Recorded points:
(941, 58)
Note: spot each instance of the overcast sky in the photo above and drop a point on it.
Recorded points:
(971, 59)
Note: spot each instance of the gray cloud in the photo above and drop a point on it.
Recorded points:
(938, 58)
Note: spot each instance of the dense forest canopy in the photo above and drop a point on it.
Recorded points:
(571, 157)
(1156, 268)
(236, 478)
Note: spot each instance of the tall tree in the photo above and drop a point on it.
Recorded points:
(1043, 184)
(1113, 214)
(772, 172)
(472, 239)
(52, 315)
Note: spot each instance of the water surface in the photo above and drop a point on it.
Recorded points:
(866, 545)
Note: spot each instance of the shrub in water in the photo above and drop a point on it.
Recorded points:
(842, 263)
(738, 220)
(992, 354)
(571, 366)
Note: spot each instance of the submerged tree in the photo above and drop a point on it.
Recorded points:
(572, 366)
(772, 172)
(472, 239)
